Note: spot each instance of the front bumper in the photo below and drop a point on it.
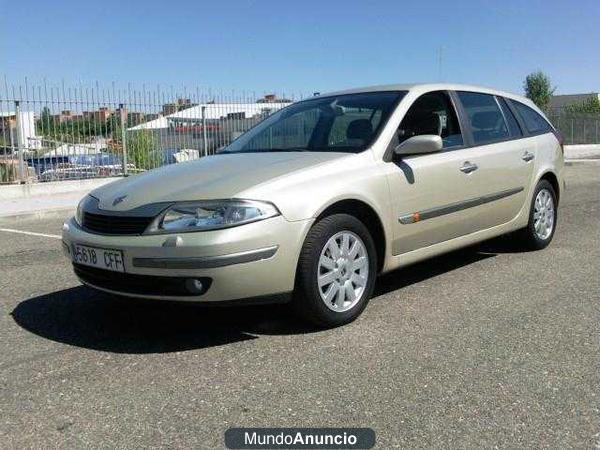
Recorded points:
(253, 260)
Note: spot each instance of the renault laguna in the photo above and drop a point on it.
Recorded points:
(315, 201)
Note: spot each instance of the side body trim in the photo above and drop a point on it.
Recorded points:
(438, 211)
(206, 262)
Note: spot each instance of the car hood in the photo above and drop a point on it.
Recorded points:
(212, 177)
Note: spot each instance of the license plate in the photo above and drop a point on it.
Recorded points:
(102, 258)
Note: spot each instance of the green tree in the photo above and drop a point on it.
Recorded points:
(538, 89)
(45, 121)
(78, 130)
(8, 172)
(591, 106)
(4, 141)
(140, 149)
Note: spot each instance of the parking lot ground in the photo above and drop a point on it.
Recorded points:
(484, 347)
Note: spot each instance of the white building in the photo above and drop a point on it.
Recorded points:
(23, 137)
(77, 149)
(210, 111)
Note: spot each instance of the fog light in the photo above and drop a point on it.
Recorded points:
(194, 285)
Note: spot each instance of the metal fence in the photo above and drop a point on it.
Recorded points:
(50, 133)
(578, 129)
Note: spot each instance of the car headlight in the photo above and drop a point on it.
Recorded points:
(79, 212)
(211, 215)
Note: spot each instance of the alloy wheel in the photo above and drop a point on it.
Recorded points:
(543, 214)
(343, 271)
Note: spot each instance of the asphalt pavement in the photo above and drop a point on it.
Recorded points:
(485, 347)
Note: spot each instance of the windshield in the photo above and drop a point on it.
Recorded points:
(343, 123)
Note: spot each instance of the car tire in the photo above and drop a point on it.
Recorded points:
(336, 271)
(542, 218)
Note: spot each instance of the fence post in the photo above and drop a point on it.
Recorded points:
(19, 133)
(123, 115)
(204, 143)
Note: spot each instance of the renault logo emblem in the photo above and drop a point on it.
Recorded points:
(119, 199)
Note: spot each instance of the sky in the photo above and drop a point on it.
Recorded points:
(302, 45)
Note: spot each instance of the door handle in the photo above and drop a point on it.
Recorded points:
(527, 156)
(468, 167)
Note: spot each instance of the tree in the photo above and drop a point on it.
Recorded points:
(45, 121)
(591, 106)
(140, 150)
(538, 89)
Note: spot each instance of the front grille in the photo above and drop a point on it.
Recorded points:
(137, 284)
(107, 224)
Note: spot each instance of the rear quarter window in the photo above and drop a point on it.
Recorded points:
(513, 125)
(533, 121)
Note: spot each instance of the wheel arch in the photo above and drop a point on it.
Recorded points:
(367, 215)
(553, 180)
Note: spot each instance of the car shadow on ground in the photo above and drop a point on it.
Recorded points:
(89, 319)
(416, 273)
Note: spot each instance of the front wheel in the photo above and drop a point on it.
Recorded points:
(336, 271)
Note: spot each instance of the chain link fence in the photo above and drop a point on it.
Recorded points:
(578, 129)
(58, 133)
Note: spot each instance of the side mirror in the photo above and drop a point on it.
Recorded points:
(418, 145)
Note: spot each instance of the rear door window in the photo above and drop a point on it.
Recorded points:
(485, 117)
(534, 122)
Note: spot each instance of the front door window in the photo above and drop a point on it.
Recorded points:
(432, 113)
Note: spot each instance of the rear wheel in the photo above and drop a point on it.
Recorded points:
(336, 271)
(542, 218)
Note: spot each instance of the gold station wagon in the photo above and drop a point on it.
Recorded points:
(315, 201)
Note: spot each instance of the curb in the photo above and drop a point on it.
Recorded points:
(571, 162)
(28, 190)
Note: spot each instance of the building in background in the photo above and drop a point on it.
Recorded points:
(272, 98)
(135, 118)
(194, 116)
(64, 116)
(204, 127)
(101, 115)
(179, 105)
(19, 134)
